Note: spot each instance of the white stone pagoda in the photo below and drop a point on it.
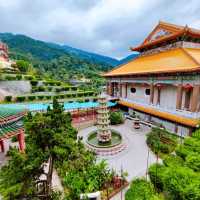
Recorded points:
(103, 133)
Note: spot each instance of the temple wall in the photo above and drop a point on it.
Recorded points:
(168, 97)
(139, 95)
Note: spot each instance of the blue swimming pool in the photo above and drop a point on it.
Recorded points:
(43, 106)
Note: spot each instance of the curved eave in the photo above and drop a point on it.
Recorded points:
(167, 38)
(164, 115)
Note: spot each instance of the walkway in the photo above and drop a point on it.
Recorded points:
(134, 158)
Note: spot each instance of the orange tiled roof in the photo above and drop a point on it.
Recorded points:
(173, 60)
(164, 115)
(172, 30)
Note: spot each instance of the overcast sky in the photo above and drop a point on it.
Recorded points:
(106, 27)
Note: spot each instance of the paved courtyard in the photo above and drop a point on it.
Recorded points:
(134, 158)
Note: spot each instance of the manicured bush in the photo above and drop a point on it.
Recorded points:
(28, 77)
(34, 83)
(41, 89)
(31, 98)
(18, 76)
(8, 98)
(62, 96)
(41, 97)
(20, 98)
(116, 117)
(141, 189)
(49, 89)
(58, 90)
(48, 97)
(10, 78)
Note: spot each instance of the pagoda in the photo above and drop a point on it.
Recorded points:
(103, 133)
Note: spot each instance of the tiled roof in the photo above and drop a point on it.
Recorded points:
(173, 60)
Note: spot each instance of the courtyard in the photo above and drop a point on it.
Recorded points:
(134, 158)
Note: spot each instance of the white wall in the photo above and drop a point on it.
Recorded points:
(139, 95)
(168, 97)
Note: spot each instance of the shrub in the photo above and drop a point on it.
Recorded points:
(182, 151)
(193, 161)
(141, 189)
(8, 98)
(48, 97)
(173, 160)
(20, 98)
(181, 183)
(14, 139)
(41, 89)
(57, 89)
(160, 140)
(41, 97)
(31, 98)
(34, 83)
(18, 76)
(49, 89)
(116, 117)
(156, 174)
(28, 77)
(10, 78)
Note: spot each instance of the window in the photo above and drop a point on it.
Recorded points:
(147, 91)
(133, 90)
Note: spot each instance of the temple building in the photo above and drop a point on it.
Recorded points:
(3, 52)
(5, 63)
(162, 85)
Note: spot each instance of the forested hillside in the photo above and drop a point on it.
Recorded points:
(57, 61)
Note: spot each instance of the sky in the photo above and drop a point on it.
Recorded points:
(107, 27)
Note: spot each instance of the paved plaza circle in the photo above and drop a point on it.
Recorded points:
(135, 158)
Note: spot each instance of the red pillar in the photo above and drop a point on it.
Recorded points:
(2, 146)
(21, 141)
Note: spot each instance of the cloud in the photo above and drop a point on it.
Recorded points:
(108, 27)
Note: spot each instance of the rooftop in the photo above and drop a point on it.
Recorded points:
(170, 61)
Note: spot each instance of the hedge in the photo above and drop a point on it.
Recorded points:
(52, 83)
(20, 98)
(8, 98)
(28, 77)
(34, 83)
(31, 98)
(18, 77)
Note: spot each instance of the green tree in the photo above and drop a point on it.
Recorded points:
(23, 65)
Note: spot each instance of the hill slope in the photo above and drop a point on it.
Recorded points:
(47, 51)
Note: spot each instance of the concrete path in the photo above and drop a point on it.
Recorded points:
(134, 158)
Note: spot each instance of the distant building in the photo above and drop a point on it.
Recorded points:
(162, 85)
(5, 63)
(4, 52)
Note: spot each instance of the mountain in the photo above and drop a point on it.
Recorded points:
(47, 51)
(127, 59)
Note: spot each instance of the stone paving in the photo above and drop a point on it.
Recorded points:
(134, 158)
